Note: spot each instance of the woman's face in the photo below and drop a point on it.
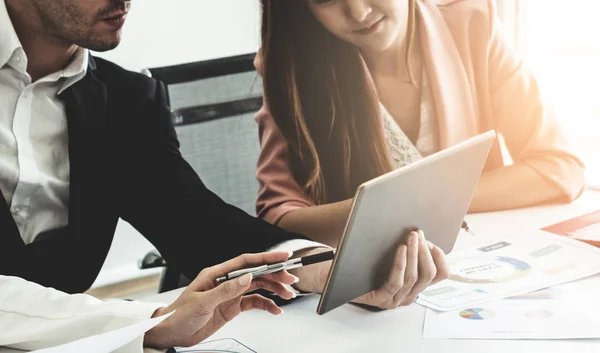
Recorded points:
(370, 25)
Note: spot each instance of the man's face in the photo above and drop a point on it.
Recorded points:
(92, 24)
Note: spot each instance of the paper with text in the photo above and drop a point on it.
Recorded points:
(520, 262)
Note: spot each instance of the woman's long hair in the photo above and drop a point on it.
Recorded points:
(320, 94)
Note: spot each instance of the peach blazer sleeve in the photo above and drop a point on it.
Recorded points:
(279, 193)
(525, 119)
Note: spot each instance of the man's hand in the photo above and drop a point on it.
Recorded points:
(204, 307)
(417, 265)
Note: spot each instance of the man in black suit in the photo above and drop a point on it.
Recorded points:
(83, 143)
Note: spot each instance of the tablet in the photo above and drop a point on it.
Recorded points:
(432, 194)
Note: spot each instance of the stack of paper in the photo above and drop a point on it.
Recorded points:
(525, 285)
(564, 312)
(518, 263)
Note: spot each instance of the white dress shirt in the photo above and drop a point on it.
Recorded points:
(34, 163)
(36, 317)
(34, 180)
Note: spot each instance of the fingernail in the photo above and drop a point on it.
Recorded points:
(403, 250)
(296, 279)
(290, 254)
(280, 311)
(294, 295)
(245, 279)
(413, 239)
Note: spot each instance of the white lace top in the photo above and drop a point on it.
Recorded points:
(402, 150)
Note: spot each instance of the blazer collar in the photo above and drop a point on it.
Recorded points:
(447, 75)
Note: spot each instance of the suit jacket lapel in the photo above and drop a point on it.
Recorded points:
(449, 82)
(86, 106)
(70, 258)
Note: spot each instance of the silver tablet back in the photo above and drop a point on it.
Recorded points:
(432, 194)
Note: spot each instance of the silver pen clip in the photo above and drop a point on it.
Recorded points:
(263, 270)
(239, 273)
(288, 265)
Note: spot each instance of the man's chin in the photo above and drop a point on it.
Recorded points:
(102, 45)
(103, 48)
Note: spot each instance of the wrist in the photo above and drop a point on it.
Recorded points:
(314, 285)
(312, 277)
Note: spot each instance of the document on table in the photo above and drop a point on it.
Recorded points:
(568, 311)
(107, 342)
(517, 263)
(228, 345)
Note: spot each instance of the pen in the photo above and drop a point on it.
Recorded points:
(466, 227)
(286, 265)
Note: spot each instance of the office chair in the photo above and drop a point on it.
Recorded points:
(213, 105)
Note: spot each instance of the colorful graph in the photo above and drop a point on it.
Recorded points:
(476, 314)
(488, 270)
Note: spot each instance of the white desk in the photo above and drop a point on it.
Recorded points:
(350, 329)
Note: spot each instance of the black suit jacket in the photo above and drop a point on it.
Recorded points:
(125, 163)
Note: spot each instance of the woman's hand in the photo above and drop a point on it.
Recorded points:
(417, 265)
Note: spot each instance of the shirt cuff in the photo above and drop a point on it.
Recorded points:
(295, 246)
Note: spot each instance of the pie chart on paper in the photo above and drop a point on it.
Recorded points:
(476, 314)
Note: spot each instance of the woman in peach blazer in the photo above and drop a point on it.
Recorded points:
(476, 82)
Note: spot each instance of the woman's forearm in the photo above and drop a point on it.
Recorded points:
(324, 223)
(510, 187)
(505, 188)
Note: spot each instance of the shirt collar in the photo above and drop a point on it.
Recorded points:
(76, 69)
(9, 41)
